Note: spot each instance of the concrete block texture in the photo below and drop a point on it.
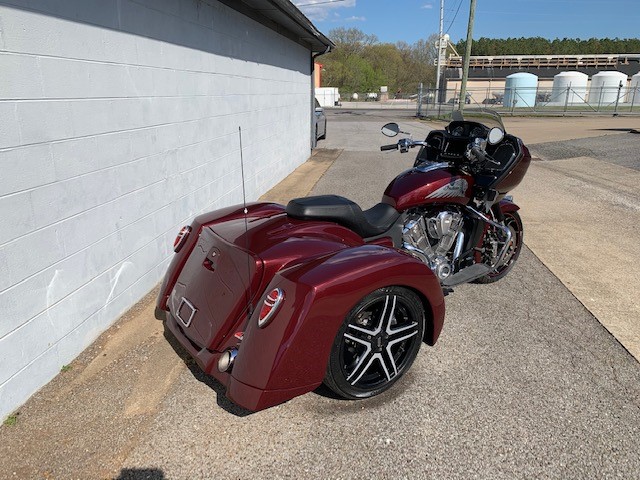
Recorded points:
(119, 122)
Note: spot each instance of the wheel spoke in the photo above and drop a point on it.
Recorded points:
(390, 317)
(361, 341)
(389, 363)
(360, 333)
(364, 362)
(403, 332)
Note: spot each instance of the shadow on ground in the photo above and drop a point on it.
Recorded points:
(208, 380)
(141, 474)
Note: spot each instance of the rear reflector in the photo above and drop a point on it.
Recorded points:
(181, 238)
(270, 306)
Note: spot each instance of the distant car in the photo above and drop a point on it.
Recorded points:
(320, 121)
(372, 96)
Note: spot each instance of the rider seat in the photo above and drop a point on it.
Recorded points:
(333, 208)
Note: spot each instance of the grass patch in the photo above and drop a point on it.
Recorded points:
(11, 420)
(66, 368)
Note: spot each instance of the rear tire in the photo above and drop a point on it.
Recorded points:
(376, 344)
(514, 222)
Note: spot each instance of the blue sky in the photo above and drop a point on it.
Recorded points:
(411, 20)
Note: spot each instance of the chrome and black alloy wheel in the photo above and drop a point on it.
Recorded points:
(376, 344)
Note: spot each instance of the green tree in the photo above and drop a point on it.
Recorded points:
(360, 63)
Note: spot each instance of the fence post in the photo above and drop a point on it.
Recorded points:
(566, 99)
(633, 97)
(615, 110)
(600, 98)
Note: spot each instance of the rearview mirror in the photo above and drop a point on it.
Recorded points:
(495, 135)
(390, 129)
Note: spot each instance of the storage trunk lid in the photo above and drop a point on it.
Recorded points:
(213, 290)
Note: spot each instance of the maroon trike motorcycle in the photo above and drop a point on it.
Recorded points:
(274, 301)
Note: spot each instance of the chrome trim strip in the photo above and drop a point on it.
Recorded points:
(431, 166)
(459, 245)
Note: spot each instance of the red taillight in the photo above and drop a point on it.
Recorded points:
(181, 238)
(270, 306)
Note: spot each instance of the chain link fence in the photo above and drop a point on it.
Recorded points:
(529, 100)
(512, 101)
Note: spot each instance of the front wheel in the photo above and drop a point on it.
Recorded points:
(512, 221)
(376, 344)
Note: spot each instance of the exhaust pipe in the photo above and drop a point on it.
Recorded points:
(225, 362)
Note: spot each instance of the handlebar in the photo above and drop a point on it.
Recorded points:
(403, 145)
(389, 147)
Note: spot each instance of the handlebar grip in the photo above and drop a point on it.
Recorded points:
(389, 147)
(479, 154)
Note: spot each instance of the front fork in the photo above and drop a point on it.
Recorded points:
(480, 228)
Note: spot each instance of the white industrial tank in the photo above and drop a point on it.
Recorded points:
(605, 86)
(520, 90)
(569, 88)
(634, 90)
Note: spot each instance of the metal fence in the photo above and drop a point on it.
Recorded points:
(526, 100)
(513, 101)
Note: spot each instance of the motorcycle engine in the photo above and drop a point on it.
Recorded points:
(430, 236)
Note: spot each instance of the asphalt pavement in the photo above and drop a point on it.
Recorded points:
(524, 382)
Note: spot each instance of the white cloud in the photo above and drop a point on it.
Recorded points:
(355, 19)
(427, 5)
(323, 9)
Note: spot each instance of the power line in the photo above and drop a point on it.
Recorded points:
(317, 3)
(454, 17)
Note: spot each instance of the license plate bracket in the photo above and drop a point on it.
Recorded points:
(186, 311)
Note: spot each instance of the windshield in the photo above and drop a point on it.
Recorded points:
(489, 118)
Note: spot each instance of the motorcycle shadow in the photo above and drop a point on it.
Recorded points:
(209, 381)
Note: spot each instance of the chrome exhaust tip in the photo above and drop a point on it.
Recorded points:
(225, 362)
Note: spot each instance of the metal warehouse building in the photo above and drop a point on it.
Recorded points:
(119, 123)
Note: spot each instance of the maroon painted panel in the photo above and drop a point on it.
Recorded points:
(180, 258)
(219, 280)
(515, 176)
(293, 349)
(414, 188)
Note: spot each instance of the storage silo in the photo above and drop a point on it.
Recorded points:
(569, 88)
(634, 90)
(605, 86)
(520, 90)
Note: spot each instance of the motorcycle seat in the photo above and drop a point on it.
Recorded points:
(334, 208)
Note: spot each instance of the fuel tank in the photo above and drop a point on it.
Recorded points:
(425, 186)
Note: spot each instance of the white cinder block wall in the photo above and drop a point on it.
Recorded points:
(118, 124)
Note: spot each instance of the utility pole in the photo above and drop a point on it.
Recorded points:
(467, 55)
(439, 49)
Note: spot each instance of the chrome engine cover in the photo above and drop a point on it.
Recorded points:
(430, 236)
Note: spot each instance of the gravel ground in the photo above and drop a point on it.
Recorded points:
(623, 149)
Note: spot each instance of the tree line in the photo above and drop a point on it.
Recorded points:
(361, 63)
(543, 46)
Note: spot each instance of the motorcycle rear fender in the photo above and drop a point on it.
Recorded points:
(288, 357)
